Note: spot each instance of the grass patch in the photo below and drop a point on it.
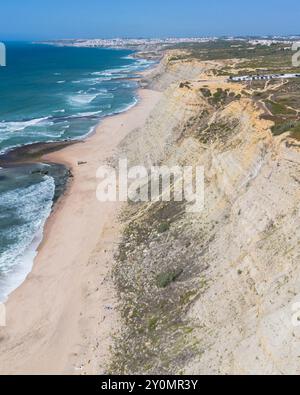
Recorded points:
(279, 109)
(205, 92)
(281, 127)
(217, 131)
(156, 336)
(153, 323)
(223, 97)
(163, 280)
(219, 97)
(163, 227)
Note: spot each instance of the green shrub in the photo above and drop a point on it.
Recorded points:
(165, 279)
(205, 92)
(163, 227)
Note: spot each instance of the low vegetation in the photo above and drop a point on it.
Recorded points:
(157, 275)
(283, 104)
(282, 100)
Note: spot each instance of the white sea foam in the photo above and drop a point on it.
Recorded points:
(16, 263)
(126, 108)
(16, 126)
(102, 73)
(88, 114)
(32, 206)
(97, 80)
(83, 98)
(87, 98)
(128, 57)
(122, 72)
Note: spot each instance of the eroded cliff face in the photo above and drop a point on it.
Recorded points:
(171, 70)
(252, 198)
(212, 292)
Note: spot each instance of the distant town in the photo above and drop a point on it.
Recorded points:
(154, 42)
(128, 42)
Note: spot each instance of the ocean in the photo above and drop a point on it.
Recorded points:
(50, 93)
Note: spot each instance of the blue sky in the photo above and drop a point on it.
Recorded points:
(46, 19)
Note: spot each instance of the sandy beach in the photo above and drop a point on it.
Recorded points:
(60, 320)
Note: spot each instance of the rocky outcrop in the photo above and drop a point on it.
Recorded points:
(252, 197)
(173, 70)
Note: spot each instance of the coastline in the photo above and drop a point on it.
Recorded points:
(35, 154)
(52, 316)
(182, 306)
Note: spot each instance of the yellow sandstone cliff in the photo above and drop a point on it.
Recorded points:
(211, 292)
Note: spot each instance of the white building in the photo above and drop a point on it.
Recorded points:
(244, 78)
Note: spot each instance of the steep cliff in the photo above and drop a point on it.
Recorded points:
(211, 292)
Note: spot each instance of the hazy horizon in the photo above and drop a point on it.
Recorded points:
(150, 38)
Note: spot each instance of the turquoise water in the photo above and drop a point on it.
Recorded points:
(50, 93)
(57, 93)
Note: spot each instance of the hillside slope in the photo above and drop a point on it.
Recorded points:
(211, 292)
